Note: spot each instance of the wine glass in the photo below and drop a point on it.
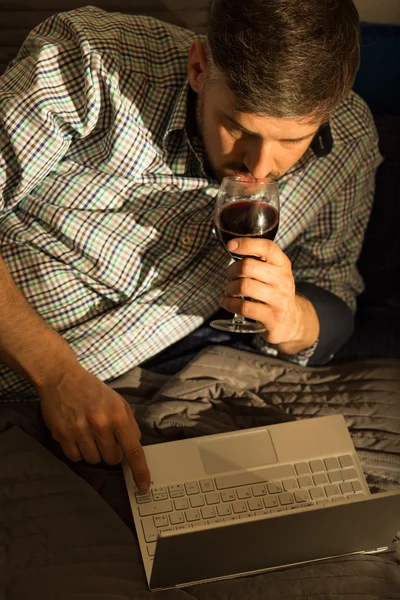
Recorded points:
(245, 207)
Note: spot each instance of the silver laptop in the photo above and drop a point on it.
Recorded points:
(245, 502)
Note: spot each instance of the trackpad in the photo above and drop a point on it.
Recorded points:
(237, 451)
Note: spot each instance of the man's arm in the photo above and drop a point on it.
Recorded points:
(44, 105)
(306, 299)
(85, 416)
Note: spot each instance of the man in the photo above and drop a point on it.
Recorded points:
(115, 133)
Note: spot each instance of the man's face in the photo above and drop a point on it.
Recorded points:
(243, 143)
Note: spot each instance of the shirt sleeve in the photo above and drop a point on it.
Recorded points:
(47, 97)
(326, 253)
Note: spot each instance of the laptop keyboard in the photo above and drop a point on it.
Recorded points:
(247, 494)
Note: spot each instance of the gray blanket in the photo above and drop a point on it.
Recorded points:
(66, 530)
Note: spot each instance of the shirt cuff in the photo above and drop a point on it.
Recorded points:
(301, 358)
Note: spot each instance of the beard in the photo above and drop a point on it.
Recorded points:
(231, 168)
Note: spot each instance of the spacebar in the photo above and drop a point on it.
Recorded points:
(250, 477)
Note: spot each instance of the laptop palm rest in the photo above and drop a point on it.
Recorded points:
(284, 539)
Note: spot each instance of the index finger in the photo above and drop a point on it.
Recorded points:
(134, 455)
(259, 247)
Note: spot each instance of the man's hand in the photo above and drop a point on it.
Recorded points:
(290, 320)
(92, 422)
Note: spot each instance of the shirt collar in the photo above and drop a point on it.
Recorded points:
(314, 152)
(177, 120)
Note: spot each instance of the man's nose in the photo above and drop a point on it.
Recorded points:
(259, 160)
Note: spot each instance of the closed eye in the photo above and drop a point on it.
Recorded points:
(292, 141)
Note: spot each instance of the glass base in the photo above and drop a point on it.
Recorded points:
(236, 326)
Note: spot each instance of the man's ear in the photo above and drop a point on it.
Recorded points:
(197, 66)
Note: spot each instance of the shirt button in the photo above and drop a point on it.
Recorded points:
(100, 305)
(186, 240)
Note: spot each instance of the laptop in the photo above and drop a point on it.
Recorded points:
(245, 502)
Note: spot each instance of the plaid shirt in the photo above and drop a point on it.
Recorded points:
(106, 208)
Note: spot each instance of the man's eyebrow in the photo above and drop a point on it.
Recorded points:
(237, 125)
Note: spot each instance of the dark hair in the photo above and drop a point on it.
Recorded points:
(285, 58)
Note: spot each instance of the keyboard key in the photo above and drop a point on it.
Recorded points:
(245, 515)
(224, 510)
(332, 490)
(290, 484)
(346, 461)
(274, 487)
(316, 493)
(217, 520)
(302, 468)
(159, 490)
(181, 503)
(192, 488)
(349, 474)
(339, 499)
(335, 477)
(346, 488)
(193, 514)
(208, 512)
(357, 487)
(161, 496)
(306, 505)
(239, 506)
(323, 502)
(286, 498)
(196, 501)
(177, 518)
(149, 529)
(161, 521)
(228, 496)
(270, 501)
(207, 485)
(255, 504)
(163, 529)
(317, 466)
(243, 493)
(176, 491)
(142, 499)
(305, 481)
(301, 496)
(331, 463)
(320, 479)
(151, 549)
(357, 497)
(230, 518)
(252, 477)
(155, 508)
(259, 490)
(212, 498)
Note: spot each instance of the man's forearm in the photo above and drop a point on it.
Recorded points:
(27, 344)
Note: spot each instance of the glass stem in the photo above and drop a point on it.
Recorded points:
(238, 319)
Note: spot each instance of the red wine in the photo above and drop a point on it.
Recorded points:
(247, 219)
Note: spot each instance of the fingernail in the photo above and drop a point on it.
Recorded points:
(143, 486)
(232, 245)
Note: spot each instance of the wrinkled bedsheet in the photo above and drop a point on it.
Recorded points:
(66, 529)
